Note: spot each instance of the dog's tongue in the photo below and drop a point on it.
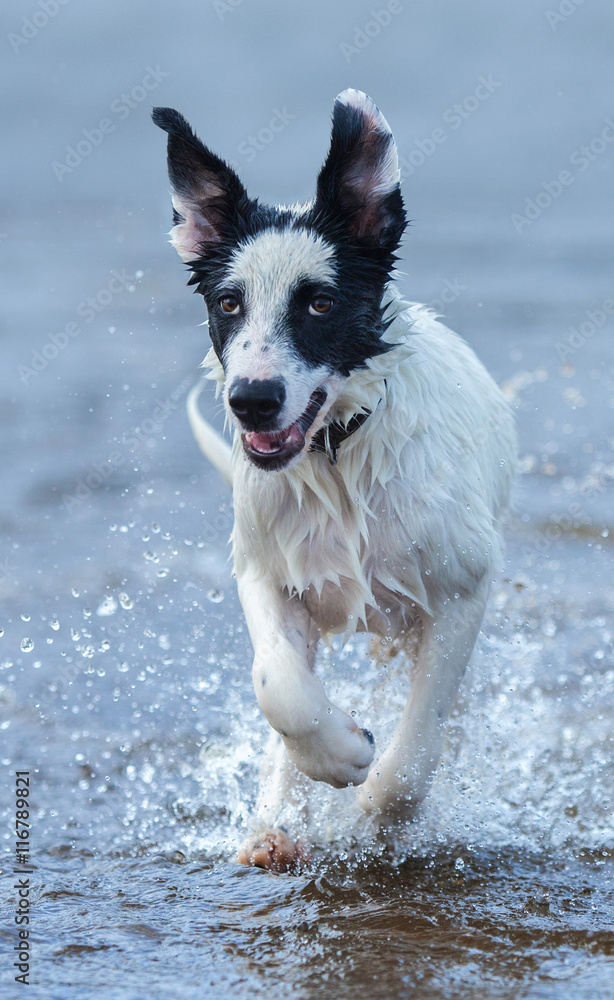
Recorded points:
(268, 442)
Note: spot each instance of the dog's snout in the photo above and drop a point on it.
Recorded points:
(256, 403)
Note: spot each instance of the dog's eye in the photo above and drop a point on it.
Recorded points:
(230, 304)
(320, 304)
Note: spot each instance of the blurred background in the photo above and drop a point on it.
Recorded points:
(124, 666)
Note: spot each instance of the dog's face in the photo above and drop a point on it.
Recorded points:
(293, 295)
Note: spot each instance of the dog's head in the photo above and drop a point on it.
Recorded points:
(294, 296)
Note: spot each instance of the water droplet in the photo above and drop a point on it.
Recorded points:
(108, 606)
(26, 645)
(126, 602)
(215, 596)
(122, 667)
(315, 722)
(459, 864)
(54, 624)
(75, 635)
(74, 592)
(25, 618)
(1, 632)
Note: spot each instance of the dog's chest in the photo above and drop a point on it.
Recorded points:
(338, 550)
(311, 540)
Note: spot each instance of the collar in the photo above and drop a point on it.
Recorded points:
(329, 437)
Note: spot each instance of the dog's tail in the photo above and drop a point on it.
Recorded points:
(209, 441)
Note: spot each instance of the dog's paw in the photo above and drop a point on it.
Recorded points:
(274, 850)
(336, 750)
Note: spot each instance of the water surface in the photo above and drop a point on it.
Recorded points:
(124, 662)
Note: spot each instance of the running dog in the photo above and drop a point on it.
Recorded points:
(372, 456)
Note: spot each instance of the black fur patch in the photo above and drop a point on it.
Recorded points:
(363, 231)
(344, 338)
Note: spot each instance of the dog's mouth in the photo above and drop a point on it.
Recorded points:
(273, 450)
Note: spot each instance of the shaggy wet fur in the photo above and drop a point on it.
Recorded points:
(397, 531)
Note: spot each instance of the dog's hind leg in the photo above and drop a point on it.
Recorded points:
(282, 788)
(281, 806)
(399, 780)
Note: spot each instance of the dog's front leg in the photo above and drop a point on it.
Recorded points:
(399, 780)
(322, 741)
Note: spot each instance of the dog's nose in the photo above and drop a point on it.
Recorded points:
(258, 402)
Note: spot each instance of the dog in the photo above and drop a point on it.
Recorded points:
(372, 458)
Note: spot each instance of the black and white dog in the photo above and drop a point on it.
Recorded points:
(372, 455)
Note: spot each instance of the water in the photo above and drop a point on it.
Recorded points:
(124, 662)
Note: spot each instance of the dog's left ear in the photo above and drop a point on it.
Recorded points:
(358, 185)
(207, 194)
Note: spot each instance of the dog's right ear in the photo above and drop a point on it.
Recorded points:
(207, 194)
(358, 186)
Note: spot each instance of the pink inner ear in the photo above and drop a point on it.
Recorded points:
(188, 236)
(198, 226)
(374, 175)
(370, 221)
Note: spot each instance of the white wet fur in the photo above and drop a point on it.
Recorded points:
(400, 538)
(401, 535)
